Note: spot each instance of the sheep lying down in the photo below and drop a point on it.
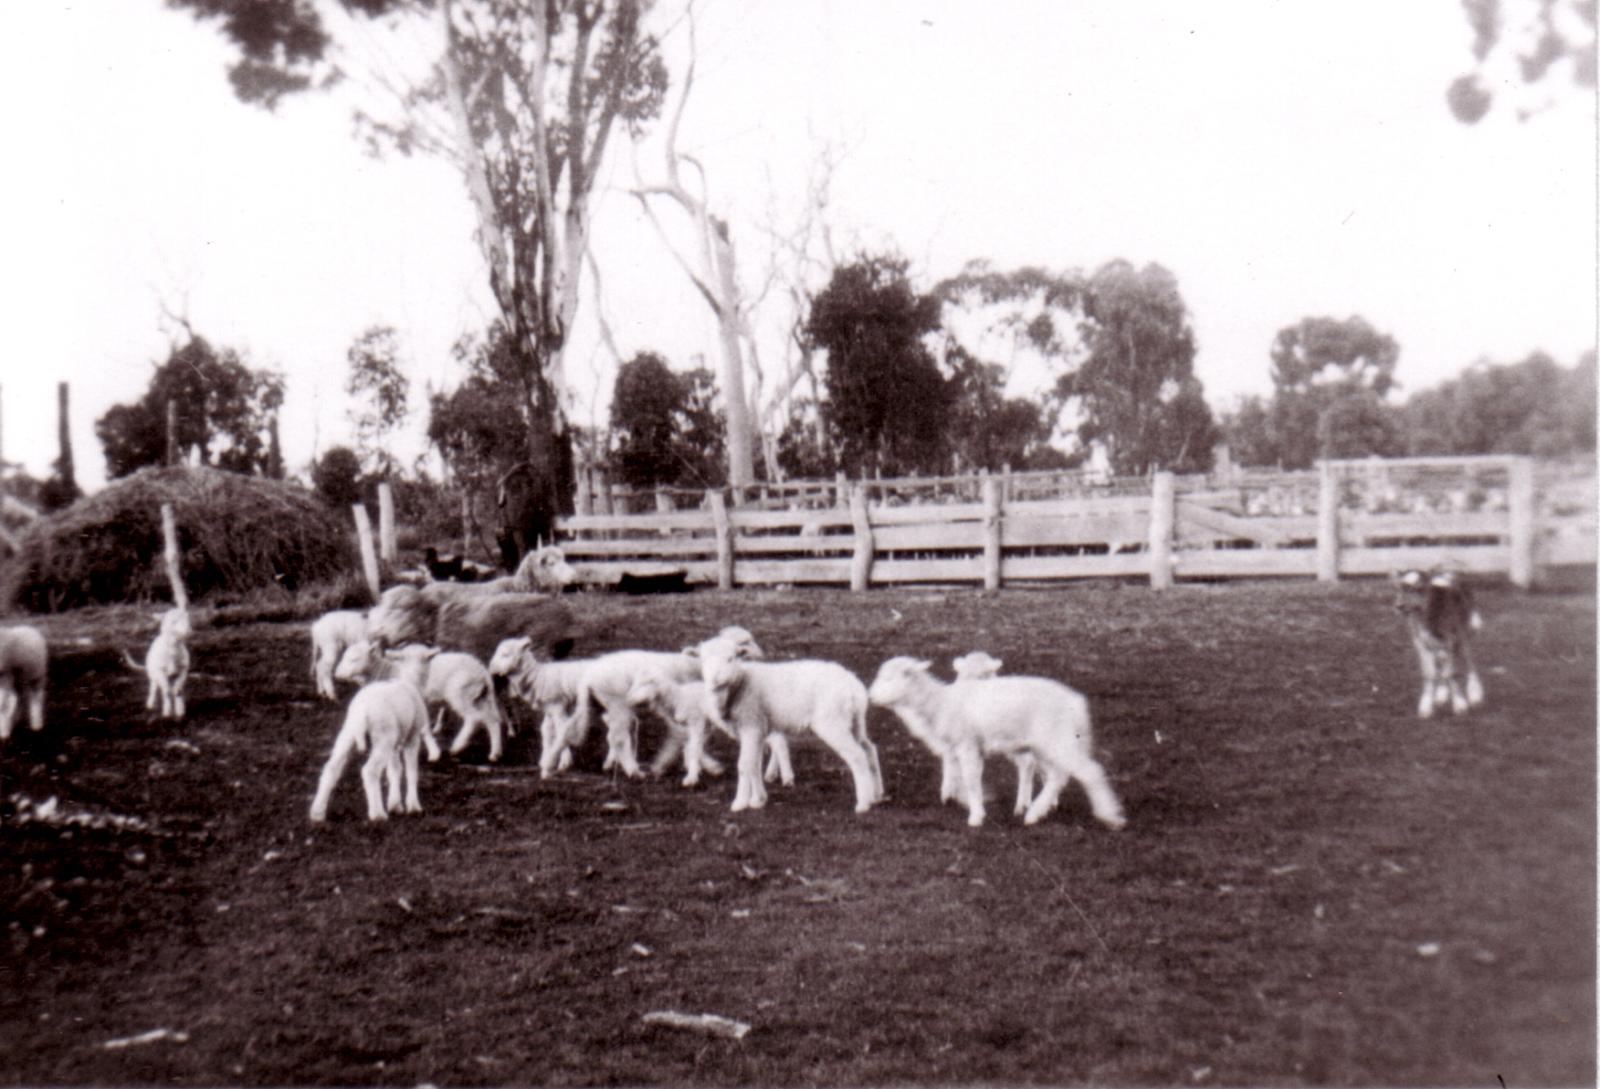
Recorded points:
(387, 719)
(1008, 715)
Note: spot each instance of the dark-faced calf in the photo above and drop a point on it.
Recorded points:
(1440, 613)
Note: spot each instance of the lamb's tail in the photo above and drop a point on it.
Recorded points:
(126, 657)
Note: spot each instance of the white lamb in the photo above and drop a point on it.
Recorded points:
(454, 680)
(390, 718)
(331, 633)
(24, 665)
(751, 700)
(685, 707)
(565, 691)
(977, 666)
(166, 664)
(1001, 715)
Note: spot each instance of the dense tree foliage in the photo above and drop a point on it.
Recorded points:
(665, 429)
(224, 414)
(336, 478)
(1532, 407)
(1331, 380)
(1516, 44)
(476, 428)
(1136, 391)
(888, 405)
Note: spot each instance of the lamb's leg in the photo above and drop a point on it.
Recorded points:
(1054, 779)
(778, 759)
(1102, 799)
(1425, 659)
(1025, 768)
(949, 776)
(412, 767)
(669, 752)
(372, 782)
(694, 750)
(620, 724)
(839, 736)
(343, 745)
(752, 792)
(393, 768)
(8, 709)
(36, 706)
(875, 765)
(1474, 682)
(970, 761)
(180, 687)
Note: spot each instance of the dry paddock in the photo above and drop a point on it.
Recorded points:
(1315, 887)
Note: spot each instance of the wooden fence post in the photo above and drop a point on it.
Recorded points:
(841, 489)
(724, 531)
(993, 508)
(369, 555)
(387, 550)
(861, 559)
(169, 537)
(602, 492)
(1163, 512)
(1522, 536)
(466, 522)
(664, 503)
(1327, 523)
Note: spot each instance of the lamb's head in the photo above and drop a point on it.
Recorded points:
(721, 668)
(175, 623)
(358, 662)
(897, 680)
(976, 666)
(546, 569)
(508, 655)
(743, 642)
(649, 690)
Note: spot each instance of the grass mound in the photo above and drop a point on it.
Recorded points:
(238, 534)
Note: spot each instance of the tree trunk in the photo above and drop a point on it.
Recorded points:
(64, 466)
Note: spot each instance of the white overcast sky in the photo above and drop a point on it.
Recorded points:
(1284, 160)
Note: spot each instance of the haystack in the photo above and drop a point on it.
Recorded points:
(237, 534)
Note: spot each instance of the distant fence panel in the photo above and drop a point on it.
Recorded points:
(1485, 515)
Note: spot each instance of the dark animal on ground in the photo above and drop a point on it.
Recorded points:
(667, 582)
(1440, 613)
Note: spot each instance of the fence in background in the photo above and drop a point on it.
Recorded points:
(1504, 515)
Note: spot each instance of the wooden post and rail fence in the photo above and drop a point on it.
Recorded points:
(1486, 515)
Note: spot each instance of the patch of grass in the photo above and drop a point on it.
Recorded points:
(1316, 888)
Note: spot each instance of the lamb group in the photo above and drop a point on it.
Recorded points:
(450, 647)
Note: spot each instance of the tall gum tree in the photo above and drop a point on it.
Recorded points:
(523, 99)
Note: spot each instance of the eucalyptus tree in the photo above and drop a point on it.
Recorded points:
(523, 99)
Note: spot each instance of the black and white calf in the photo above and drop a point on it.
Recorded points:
(1439, 611)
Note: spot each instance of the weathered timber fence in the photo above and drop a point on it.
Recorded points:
(1346, 518)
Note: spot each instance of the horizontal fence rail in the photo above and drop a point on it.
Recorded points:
(1505, 515)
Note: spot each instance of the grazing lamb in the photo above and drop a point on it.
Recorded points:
(1440, 613)
(24, 664)
(685, 707)
(476, 625)
(166, 664)
(566, 695)
(751, 699)
(454, 680)
(331, 633)
(1006, 715)
(390, 718)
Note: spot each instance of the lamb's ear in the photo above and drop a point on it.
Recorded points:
(923, 664)
(691, 651)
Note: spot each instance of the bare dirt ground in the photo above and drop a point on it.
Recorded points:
(1315, 887)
